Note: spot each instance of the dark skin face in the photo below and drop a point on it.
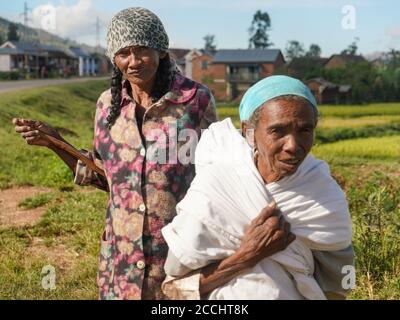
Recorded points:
(283, 137)
(138, 64)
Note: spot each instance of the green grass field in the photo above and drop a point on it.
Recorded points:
(67, 236)
(361, 144)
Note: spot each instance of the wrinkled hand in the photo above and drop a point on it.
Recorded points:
(29, 130)
(267, 234)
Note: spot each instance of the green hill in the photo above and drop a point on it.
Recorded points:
(33, 34)
(69, 108)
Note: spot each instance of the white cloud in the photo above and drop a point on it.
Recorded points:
(76, 21)
(392, 39)
(393, 32)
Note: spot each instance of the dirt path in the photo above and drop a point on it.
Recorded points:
(13, 216)
(58, 253)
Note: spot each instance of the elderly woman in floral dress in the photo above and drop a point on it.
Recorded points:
(149, 101)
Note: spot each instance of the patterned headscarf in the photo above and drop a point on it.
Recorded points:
(269, 88)
(135, 27)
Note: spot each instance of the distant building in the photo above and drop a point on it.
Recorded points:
(35, 58)
(12, 59)
(379, 63)
(341, 60)
(328, 92)
(179, 56)
(103, 65)
(229, 73)
(299, 67)
(87, 64)
(41, 60)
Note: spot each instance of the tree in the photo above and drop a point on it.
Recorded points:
(258, 31)
(392, 58)
(1, 39)
(209, 43)
(352, 48)
(12, 32)
(387, 83)
(294, 49)
(360, 75)
(314, 51)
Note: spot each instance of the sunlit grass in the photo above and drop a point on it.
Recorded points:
(353, 111)
(70, 230)
(71, 107)
(328, 111)
(336, 128)
(336, 122)
(367, 169)
(368, 148)
(69, 235)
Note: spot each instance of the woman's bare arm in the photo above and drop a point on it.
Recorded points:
(69, 160)
(30, 130)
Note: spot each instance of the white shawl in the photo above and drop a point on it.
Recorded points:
(228, 192)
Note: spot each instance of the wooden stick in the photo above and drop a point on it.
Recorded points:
(74, 152)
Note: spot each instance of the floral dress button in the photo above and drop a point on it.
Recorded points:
(140, 264)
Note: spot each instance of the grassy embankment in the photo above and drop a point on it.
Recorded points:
(67, 236)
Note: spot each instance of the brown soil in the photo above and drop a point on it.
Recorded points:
(13, 216)
(56, 254)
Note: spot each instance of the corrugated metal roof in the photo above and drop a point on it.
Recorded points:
(35, 48)
(10, 51)
(348, 58)
(322, 81)
(178, 53)
(25, 46)
(50, 48)
(246, 55)
(344, 88)
(57, 51)
(79, 52)
(326, 84)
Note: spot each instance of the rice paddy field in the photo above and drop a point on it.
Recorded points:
(45, 220)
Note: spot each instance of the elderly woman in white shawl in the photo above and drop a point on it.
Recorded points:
(263, 219)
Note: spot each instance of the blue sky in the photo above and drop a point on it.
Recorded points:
(377, 23)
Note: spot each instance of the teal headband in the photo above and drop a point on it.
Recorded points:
(270, 88)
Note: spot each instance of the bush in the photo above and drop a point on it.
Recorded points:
(376, 221)
(12, 75)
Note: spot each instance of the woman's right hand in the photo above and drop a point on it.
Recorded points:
(266, 235)
(29, 131)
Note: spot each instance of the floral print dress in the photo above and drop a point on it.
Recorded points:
(143, 192)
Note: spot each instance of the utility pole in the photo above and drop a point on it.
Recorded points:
(99, 25)
(26, 19)
(97, 35)
(25, 13)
